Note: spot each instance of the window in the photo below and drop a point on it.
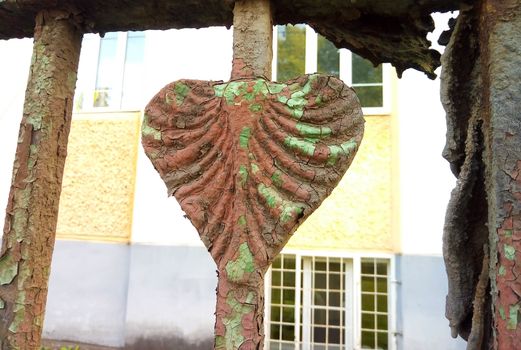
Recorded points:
(298, 50)
(327, 303)
(111, 72)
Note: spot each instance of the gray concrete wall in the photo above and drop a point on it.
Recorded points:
(421, 305)
(88, 293)
(171, 297)
(141, 296)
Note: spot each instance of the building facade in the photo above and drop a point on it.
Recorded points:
(363, 272)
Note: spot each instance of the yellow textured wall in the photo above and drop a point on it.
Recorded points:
(357, 214)
(98, 185)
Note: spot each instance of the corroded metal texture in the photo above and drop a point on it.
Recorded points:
(248, 161)
(32, 208)
(381, 31)
(480, 91)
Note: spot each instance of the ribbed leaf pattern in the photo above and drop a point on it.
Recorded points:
(249, 160)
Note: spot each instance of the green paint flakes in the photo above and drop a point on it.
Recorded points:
(254, 168)
(220, 343)
(8, 269)
(305, 147)
(318, 100)
(255, 107)
(243, 175)
(282, 99)
(243, 264)
(242, 221)
(288, 209)
(219, 90)
(19, 312)
(147, 130)
(2, 303)
(349, 147)
(233, 338)
(181, 91)
(313, 131)
(502, 313)
(276, 178)
(271, 196)
(244, 137)
(344, 149)
(275, 88)
(510, 252)
(502, 271)
(507, 233)
(512, 319)
(289, 212)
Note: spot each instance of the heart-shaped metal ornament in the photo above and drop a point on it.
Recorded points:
(248, 160)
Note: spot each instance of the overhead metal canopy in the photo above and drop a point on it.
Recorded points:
(379, 30)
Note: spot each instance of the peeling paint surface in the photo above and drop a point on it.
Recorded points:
(246, 176)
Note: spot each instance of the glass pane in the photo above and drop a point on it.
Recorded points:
(364, 72)
(382, 303)
(289, 279)
(275, 313)
(319, 316)
(276, 262)
(320, 298)
(274, 331)
(288, 296)
(368, 340)
(333, 337)
(381, 285)
(381, 269)
(291, 51)
(334, 266)
(107, 76)
(134, 70)
(383, 340)
(288, 315)
(320, 266)
(367, 284)
(328, 58)
(368, 321)
(367, 302)
(334, 281)
(320, 281)
(368, 268)
(382, 322)
(276, 296)
(288, 333)
(370, 96)
(275, 278)
(289, 263)
(334, 298)
(319, 334)
(334, 318)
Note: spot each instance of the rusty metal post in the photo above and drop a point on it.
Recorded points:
(500, 35)
(32, 209)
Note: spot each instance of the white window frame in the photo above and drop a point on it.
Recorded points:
(87, 81)
(345, 69)
(353, 305)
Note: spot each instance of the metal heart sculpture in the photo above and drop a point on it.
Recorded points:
(248, 161)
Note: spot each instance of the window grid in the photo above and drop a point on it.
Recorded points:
(282, 325)
(372, 86)
(328, 278)
(310, 275)
(374, 304)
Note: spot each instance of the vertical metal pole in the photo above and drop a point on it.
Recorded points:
(32, 209)
(500, 28)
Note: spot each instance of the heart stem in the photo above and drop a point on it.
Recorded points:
(239, 313)
(252, 39)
